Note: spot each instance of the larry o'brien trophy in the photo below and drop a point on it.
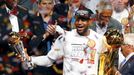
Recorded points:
(18, 47)
(108, 60)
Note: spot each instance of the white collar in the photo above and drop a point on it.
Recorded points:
(8, 10)
(97, 24)
(129, 56)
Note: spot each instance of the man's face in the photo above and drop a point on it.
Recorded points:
(82, 25)
(127, 49)
(75, 3)
(119, 5)
(104, 17)
(46, 6)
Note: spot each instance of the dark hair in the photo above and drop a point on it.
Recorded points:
(131, 2)
(62, 1)
(2, 2)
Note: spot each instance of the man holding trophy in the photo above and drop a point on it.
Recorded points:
(79, 58)
(13, 18)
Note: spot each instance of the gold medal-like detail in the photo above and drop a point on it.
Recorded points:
(91, 43)
(124, 21)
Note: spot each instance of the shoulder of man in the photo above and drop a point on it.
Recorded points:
(114, 22)
(66, 34)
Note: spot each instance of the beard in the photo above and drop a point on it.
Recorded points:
(119, 8)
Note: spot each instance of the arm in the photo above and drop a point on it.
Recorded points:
(42, 61)
(55, 53)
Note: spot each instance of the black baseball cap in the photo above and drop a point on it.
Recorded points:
(83, 13)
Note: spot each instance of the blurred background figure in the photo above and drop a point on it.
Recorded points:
(73, 7)
(121, 12)
(130, 25)
(41, 41)
(120, 9)
(61, 10)
(91, 4)
(131, 15)
(102, 20)
(40, 22)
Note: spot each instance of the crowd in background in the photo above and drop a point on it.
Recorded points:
(35, 16)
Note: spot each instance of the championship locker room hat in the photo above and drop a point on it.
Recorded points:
(83, 13)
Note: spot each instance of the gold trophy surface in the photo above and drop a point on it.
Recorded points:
(16, 43)
(114, 40)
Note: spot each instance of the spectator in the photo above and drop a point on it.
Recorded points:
(61, 10)
(40, 22)
(92, 4)
(41, 42)
(73, 7)
(103, 21)
(120, 9)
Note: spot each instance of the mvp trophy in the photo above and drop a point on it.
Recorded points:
(17, 44)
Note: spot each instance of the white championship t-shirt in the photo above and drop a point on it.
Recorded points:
(80, 53)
